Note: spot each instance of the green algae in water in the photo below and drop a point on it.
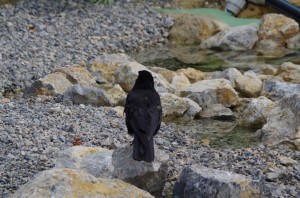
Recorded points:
(219, 14)
(221, 134)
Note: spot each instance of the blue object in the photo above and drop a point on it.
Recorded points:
(286, 8)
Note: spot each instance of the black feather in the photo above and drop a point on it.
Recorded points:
(143, 116)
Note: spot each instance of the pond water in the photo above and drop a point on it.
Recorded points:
(221, 134)
(177, 57)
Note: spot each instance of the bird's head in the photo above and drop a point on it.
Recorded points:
(144, 80)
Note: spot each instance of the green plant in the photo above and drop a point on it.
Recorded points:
(101, 1)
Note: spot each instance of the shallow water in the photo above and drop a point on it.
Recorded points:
(177, 57)
(220, 134)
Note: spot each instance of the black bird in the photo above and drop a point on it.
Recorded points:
(143, 116)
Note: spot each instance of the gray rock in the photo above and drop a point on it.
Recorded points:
(209, 92)
(147, 176)
(199, 181)
(96, 161)
(283, 122)
(235, 38)
(78, 94)
(218, 112)
(256, 112)
(173, 106)
(126, 75)
(276, 90)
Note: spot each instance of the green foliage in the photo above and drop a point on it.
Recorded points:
(101, 1)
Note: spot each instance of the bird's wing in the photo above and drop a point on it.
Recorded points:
(146, 121)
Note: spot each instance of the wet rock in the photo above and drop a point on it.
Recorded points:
(289, 72)
(199, 181)
(209, 92)
(180, 82)
(78, 94)
(105, 65)
(238, 38)
(96, 161)
(275, 29)
(256, 112)
(126, 75)
(276, 90)
(147, 176)
(283, 122)
(76, 183)
(192, 74)
(193, 29)
(218, 112)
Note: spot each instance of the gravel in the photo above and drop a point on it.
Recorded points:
(42, 35)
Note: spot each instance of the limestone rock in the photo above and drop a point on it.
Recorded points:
(147, 176)
(256, 113)
(294, 2)
(294, 42)
(54, 83)
(60, 81)
(76, 183)
(180, 82)
(238, 38)
(78, 74)
(105, 65)
(78, 94)
(209, 92)
(192, 74)
(230, 74)
(255, 11)
(126, 75)
(103, 163)
(193, 110)
(289, 72)
(275, 29)
(283, 124)
(199, 181)
(268, 69)
(249, 84)
(118, 111)
(193, 29)
(218, 112)
(166, 73)
(173, 106)
(117, 95)
(276, 90)
(287, 161)
(96, 161)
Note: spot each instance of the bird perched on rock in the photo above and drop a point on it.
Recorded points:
(143, 116)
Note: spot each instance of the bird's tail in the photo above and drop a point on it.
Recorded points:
(143, 148)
